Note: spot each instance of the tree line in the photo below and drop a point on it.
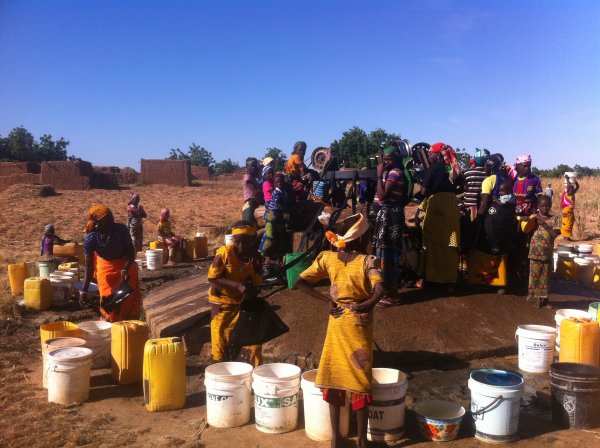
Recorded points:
(354, 148)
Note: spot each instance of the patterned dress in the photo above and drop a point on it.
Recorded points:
(540, 257)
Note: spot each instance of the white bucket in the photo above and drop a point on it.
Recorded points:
(387, 411)
(61, 290)
(228, 394)
(68, 371)
(97, 338)
(316, 410)
(154, 259)
(54, 344)
(228, 239)
(276, 388)
(564, 314)
(495, 403)
(536, 347)
(64, 275)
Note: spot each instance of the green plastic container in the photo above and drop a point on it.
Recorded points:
(294, 272)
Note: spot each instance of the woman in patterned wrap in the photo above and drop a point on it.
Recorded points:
(347, 357)
(135, 214)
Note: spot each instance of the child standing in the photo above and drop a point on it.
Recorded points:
(567, 207)
(252, 191)
(540, 252)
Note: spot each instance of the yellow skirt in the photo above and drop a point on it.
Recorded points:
(568, 220)
(224, 318)
(347, 359)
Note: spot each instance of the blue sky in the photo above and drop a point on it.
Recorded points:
(125, 80)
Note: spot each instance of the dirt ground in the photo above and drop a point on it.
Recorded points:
(438, 368)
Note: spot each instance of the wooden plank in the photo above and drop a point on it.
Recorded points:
(175, 306)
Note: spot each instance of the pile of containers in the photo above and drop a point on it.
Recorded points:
(577, 263)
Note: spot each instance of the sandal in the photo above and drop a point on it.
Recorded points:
(386, 303)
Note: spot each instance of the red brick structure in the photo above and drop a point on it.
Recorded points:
(200, 172)
(167, 172)
(237, 174)
(25, 178)
(67, 175)
(12, 168)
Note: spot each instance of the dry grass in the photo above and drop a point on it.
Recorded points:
(587, 206)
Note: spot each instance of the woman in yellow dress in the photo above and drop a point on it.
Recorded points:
(356, 287)
(567, 207)
(235, 269)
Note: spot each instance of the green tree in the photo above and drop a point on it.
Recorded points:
(197, 155)
(226, 166)
(279, 157)
(356, 146)
(20, 146)
(47, 149)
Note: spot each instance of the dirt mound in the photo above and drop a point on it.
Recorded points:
(19, 192)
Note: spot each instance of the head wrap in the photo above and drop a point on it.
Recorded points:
(95, 214)
(49, 228)
(164, 215)
(265, 171)
(299, 145)
(244, 230)
(133, 197)
(358, 229)
(494, 161)
(437, 147)
(523, 158)
(390, 150)
(267, 160)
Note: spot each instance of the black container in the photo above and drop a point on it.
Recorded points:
(575, 395)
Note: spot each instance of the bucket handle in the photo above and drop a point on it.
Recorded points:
(489, 406)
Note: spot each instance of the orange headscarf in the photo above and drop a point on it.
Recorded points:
(95, 214)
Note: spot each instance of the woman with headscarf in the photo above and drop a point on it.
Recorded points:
(441, 223)
(347, 356)
(167, 236)
(389, 225)
(135, 214)
(567, 207)
(234, 272)
(47, 247)
(109, 253)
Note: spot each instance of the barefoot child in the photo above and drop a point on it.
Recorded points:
(540, 252)
(347, 358)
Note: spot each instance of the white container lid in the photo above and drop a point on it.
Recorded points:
(94, 325)
(69, 354)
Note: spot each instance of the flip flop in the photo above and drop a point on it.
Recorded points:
(385, 303)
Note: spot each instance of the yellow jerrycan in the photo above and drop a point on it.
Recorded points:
(164, 374)
(581, 337)
(38, 293)
(17, 273)
(127, 350)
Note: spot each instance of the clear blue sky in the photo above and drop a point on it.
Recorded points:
(125, 80)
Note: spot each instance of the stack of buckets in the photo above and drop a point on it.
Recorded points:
(577, 264)
(276, 387)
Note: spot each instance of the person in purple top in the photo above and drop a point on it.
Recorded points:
(47, 246)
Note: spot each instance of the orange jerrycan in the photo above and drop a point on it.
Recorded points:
(164, 374)
(127, 350)
(581, 337)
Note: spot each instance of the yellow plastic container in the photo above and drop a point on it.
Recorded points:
(127, 350)
(60, 329)
(156, 245)
(580, 341)
(17, 273)
(164, 374)
(486, 269)
(567, 269)
(68, 266)
(69, 250)
(38, 293)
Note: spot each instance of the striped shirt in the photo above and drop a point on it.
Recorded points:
(473, 180)
(396, 177)
(116, 246)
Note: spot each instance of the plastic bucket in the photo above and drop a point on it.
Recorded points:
(276, 388)
(316, 410)
(54, 344)
(68, 371)
(575, 395)
(536, 347)
(61, 290)
(387, 411)
(97, 338)
(60, 329)
(294, 272)
(564, 314)
(228, 394)
(45, 268)
(593, 310)
(154, 259)
(495, 402)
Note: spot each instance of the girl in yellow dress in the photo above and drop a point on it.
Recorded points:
(356, 287)
(235, 268)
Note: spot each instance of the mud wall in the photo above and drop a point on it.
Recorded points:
(200, 172)
(68, 175)
(112, 176)
(26, 178)
(237, 174)
(166, 172)
(11, 168)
